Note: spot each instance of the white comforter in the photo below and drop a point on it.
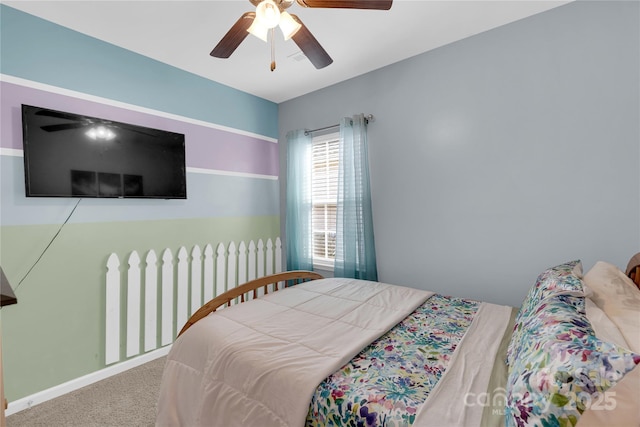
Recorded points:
(258, 363)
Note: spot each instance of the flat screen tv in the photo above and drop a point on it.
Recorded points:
(73, 155)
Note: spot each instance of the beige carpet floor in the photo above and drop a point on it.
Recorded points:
(127, 399)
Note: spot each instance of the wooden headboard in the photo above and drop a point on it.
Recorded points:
(633, 269)
(634, 274)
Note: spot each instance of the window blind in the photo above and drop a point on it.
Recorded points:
(325, 153)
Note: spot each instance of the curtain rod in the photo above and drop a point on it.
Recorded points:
(368, 118)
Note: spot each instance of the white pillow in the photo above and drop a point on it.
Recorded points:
(619, 298)
(603, 327)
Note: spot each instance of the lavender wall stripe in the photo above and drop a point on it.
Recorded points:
(206, 147)
(126, 106)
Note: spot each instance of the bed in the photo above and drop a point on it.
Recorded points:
(345, 352)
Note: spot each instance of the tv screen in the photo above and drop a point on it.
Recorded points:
(73, 155)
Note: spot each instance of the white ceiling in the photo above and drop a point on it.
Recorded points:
(182, 33)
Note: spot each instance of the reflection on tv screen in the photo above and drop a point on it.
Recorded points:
(73, 155)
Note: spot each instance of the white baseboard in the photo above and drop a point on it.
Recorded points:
(75, 384)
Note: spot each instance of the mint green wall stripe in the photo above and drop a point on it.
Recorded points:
(35, 49)
(56, 332)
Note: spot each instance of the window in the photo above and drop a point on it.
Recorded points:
(324, 184)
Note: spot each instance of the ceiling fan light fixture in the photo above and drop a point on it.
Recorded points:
(271, 13)
(268, 14)
(288, 25)
(100, 133)
(258, 30)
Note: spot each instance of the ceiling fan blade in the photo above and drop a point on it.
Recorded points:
(56, 114)
(348, 4)
(234, 36)
(310, 46)
(133, 128)
(65, 126)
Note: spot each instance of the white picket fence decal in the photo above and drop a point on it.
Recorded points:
(148, 308)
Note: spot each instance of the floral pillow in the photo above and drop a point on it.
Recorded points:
(553, 318)
(562, 279)
(562, 368)
(554, 383)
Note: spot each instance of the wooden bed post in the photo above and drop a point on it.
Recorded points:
(288, 277)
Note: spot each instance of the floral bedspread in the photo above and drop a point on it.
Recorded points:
(385, 384)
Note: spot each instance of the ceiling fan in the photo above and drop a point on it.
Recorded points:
(272, 13)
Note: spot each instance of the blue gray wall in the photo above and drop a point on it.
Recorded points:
(497, 156)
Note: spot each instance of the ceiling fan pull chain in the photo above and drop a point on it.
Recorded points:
(273, 50)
